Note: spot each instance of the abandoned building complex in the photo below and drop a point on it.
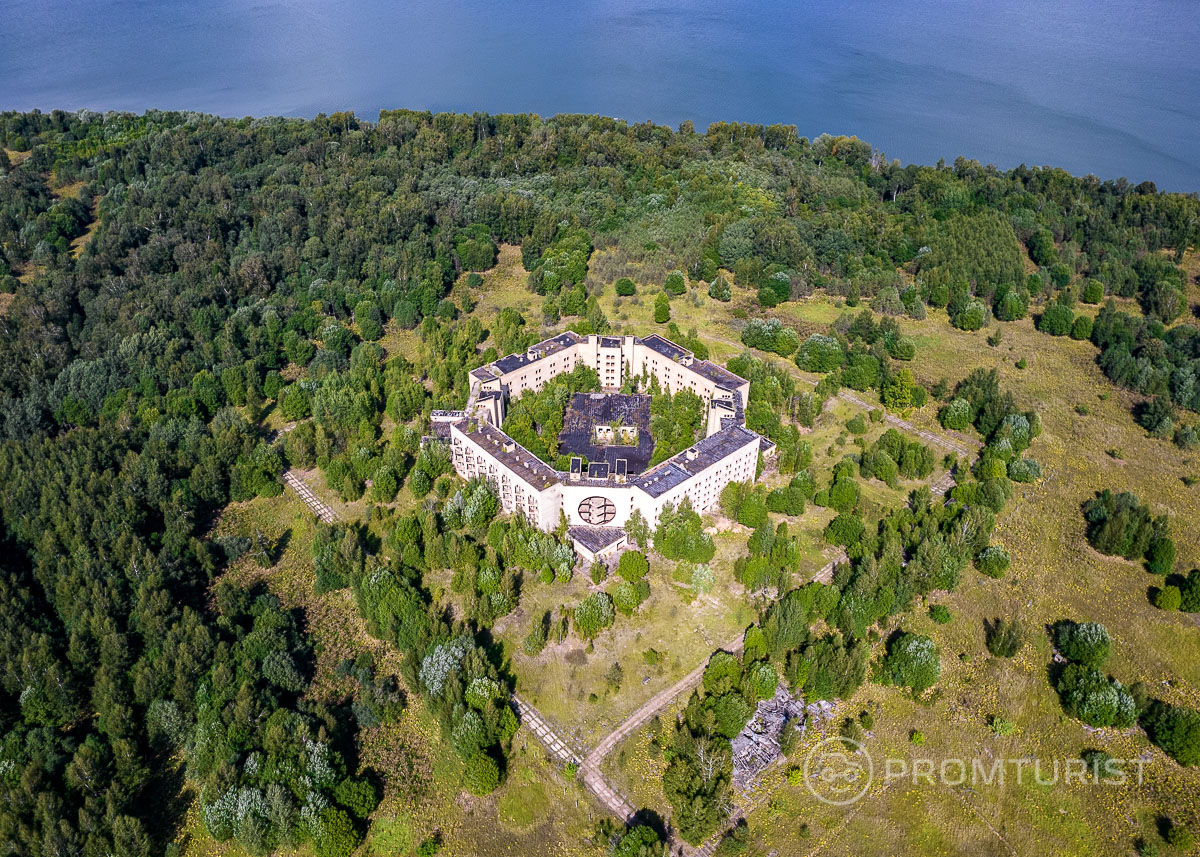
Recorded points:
(609, 430)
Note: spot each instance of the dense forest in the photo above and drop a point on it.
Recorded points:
(166, 278)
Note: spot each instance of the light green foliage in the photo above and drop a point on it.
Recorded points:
(594, 614)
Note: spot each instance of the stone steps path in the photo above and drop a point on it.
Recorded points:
(319, 507)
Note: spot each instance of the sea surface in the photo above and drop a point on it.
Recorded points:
(1095, 86)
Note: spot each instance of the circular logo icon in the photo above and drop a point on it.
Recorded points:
(838, 771)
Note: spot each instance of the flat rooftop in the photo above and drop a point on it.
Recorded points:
(665, 347)
(543, 349)
(517, 458)
(588, 410)
(595, 539)
(717, 374)
(705, 453)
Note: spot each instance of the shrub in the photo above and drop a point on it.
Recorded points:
(675, 284)
(857, 425)
(1180, 838)
(1001, 726)
(1056, 320)
(662, 308)
(594, 614)
(625, 287)
(535, 640)
(1004, 637)
(1160, 556)
(1093, 292)
(336, 835)
(627, 597)
(845, 530)
(1081, 328)
(481, 774)
(940, 613)
(1177, 731)
(820, 353)
(1024, 470)
(973, 316)
(844, 494)
(993, 561)
(1189, 591)
(1168, 598)
(1119, 525)
(357, 795)
(639, 841)
(912, 661)
(956, 415)
(1087, 694)
(719, 289)
(633, 566)
(1086, 643)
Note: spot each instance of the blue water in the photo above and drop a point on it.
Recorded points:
(1100, 86)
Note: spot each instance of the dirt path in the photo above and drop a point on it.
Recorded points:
(562, 750)
(319, 507)
(650, 708)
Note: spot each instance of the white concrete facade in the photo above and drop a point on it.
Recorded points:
(525, 484)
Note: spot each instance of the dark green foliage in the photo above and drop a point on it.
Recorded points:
(1176, 730)
(535, 418)
(475, 248)
(820, 353)
(845, 529)
(358, 796)
(680, 534)
(770, 335)
(1056, 320)
(662, 308)
(640, 841)
(231, 255)
(1168, 598)
(1189, 591)
(1004, 637)
(564, 263)
(625, 287)
(912, 661)
(1086, 643)
(675, 422)
(1090, 696)
(1120, 525)
(978, 251)
(893, 457)
(697, 779)
(675, 284)
(829, 668)
(633, 566)
(940, 613)
(993, 561)
(1142, 355)
(1081, 328)
(481, 774)
(378, 699)
(719, 289)
(337, 556)
(593, 615)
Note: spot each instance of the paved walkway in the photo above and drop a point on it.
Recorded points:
(651, 707)
(563, 751)
(319, 507)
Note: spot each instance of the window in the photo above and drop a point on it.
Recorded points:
(597, 510)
